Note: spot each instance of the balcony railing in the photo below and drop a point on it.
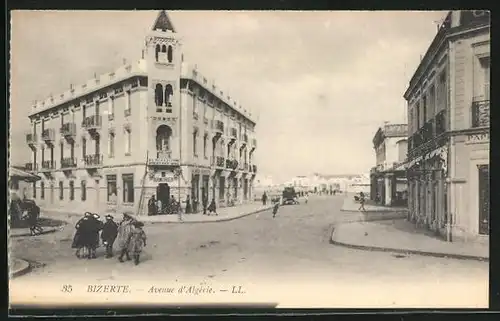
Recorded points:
(68, 129)
(93, 160)
(441, 123)
(219, 161)
(92, 122)
(48, 165)
(68, 162)
(231, 164)
(48, 135)
(163, 158)
(30, 167)
(219, 126)
(245, 138)
(233, 133)
(254, 143)
(254, 168)
(481, 113)
(31, 139)
(427, 131)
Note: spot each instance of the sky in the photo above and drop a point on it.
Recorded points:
(320, 83)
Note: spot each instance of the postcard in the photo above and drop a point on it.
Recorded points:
(287, 159)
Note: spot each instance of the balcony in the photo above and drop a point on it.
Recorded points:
(218, 161)
(31, 167)
(163, 158)
(231, 164)
(427, 131)
(481, 114)
(93, 161)
(48, 135)
(31, 139)
(48, 165)
(68, 130)
(245, 138)
(233, 133)
(219, 127)
(68, 163)
(92, 123)
(254, 168)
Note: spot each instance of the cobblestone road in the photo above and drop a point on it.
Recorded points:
(291, 249)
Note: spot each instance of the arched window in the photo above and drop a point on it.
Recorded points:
(168, 95)
(163, 134)
(170, 54)
(157, 50)
(159, 95)
(163, 48)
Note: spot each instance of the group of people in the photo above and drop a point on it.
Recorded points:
(129, 233)
(156, 207)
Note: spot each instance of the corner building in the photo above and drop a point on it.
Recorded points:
(449, 124)
(155, 127)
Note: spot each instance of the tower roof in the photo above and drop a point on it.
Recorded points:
(163, 22)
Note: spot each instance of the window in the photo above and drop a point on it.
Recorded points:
(169, 92)
(128, 110)
(128, 188)
(61, 146)
(111, 145)
(111, 111)
(485, 64)
(14, 184)
(83, 186)
(61, 190)
(205, 141)
(159, 95)
(43, 154)
(34, 189)
(128, 142)
(157, 50)
(42, 190)
(170, 54)
(424, 109)
(111, 188)
(84, 148)
(195, 149)
(71, 190)
(417, 116)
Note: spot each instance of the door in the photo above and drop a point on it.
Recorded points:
(484, 199)
(51, 193)
(163, 194)
(245, 189)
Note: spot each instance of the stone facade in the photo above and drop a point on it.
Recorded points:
(448, 108)
(157, 126)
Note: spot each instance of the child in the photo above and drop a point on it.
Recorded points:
(108, 235)
(137, 240)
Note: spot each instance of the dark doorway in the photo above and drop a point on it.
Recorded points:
(163, 194)
(484, 199)
(205, 186)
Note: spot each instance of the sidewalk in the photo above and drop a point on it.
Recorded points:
(18, 267)
(225, 214)
(401, 236)
(351, 206)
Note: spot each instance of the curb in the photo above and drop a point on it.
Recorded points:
(374, 211)
(48, 231)
(407, 251)
(26, 268)
(213, 221)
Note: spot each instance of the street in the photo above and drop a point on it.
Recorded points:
(292, 249)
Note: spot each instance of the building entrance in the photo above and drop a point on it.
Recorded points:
(484, 199)
(163, 194)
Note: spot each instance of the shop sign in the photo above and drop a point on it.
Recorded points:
(163, 162)
(478, 138)
(167, 179)
(171, 119)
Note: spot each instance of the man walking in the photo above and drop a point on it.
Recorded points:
(264, 199)
(152, 206)
(124, 230)
(204, 200)
(362, 202)
(276, 207)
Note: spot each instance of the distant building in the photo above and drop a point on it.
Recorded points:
(388, 183)
(448, 101)
(153, 127)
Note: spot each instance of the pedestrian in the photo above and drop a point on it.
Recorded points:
(275, 208)
(152, 210)
(108, 235)
(362, 202)
(92, 239)
(137, 240)
(124, 229)
(159, 206)
(212, 208)
(264, 199)
(306, 198)
(204, 200)
(81, 232)
(188, 205)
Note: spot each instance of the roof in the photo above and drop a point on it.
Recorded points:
(22, 175)
(163, 22)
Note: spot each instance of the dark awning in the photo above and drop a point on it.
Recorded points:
(15, 173)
